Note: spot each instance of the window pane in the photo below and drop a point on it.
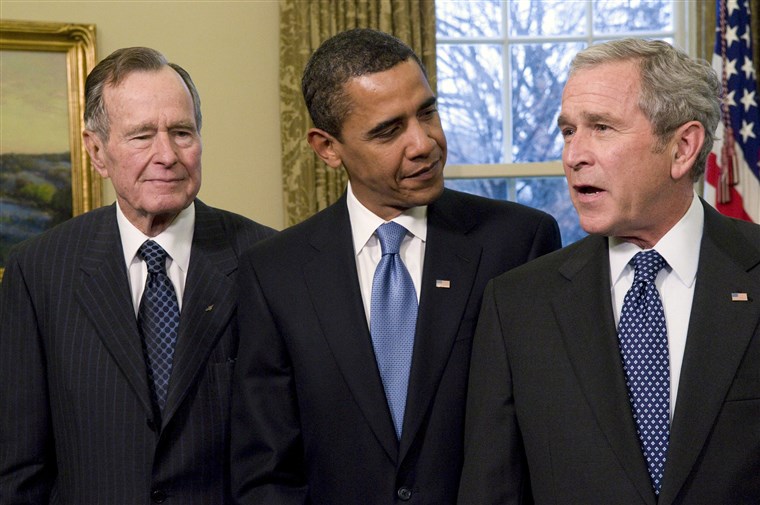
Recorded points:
(539, 72)
(468, 19)
(550, 195)
(547, 17)
(470, 102)
(546, 193)
(614, 16)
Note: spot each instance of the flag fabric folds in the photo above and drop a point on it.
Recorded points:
(732, 176)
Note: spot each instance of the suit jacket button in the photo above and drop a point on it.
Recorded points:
(158, 496)
(404, 493)
(152, 425)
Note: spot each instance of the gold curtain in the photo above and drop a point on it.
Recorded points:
(308, 184)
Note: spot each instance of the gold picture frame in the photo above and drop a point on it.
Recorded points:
(77, 41)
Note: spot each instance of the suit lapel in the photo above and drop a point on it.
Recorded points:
(104, 296)
(208, 304)
(449, 256)
(334, 291)
(591, 344)
(719, 333)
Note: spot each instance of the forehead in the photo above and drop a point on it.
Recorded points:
(153, 89)
(609, 86)
(402, 87)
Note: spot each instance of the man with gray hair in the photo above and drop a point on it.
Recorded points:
(623, 369)
(117, 327)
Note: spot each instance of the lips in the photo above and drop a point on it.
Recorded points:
(428, 170)
(587, 190)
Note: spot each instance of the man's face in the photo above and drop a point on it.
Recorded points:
(153, 153)
(619, 184)
(392, 144)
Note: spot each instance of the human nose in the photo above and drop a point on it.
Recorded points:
(421, 142)
(577, 152)
(164, 150)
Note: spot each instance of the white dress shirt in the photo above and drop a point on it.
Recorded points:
(680, 248)
(367, 248)
(177, 241)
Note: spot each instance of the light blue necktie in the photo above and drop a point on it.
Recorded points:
(158, 320)
(393, 319)
(644, 349)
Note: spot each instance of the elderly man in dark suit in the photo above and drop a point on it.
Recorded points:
(623, 369)
(354, 353)
(118, 332)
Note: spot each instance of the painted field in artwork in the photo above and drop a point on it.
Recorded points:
(35, 161)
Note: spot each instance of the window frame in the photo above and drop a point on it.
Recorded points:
(684, 25)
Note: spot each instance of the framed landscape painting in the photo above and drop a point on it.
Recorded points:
(45, 174)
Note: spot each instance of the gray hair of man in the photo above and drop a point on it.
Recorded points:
(349, 54)
(675, 88)
(113, 70)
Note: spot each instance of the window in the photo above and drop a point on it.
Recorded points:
(502, 133)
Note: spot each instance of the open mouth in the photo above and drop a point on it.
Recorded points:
(588, 190)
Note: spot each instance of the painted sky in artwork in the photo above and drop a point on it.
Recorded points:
(33, 102)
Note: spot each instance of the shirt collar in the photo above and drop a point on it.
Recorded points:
(679, 246)
(364, 222)
(176, 240)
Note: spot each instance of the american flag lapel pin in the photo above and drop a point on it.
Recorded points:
(739, 297)
(443, 283)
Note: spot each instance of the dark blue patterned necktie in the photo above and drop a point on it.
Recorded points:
(393, 319)
(158, 319)
(644, 349)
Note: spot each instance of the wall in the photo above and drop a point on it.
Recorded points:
(230, 48)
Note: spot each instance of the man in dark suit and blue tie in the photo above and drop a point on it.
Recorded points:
(117, 327)
(356, 325)
(625, 368)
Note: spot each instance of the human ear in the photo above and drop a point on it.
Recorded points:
(324, 145)
(94, 145)
(687, 143)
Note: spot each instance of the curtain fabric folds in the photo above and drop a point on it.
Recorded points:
(308, 184)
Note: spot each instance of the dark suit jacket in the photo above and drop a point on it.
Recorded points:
(548, 415)
(310, 419)
(75, 412)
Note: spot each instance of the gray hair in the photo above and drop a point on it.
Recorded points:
(675, 88)
(344, 56)
(113, 70)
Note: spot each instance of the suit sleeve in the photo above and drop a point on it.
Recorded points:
(495, 470)
(27, 458)
(267, 451)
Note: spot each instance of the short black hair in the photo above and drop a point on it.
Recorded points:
(344, 56)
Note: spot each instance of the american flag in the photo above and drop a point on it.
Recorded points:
(732, 178)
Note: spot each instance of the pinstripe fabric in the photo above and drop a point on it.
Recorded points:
(75, 415)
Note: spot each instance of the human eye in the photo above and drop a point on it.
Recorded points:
(567, 132)
(601, 127)
(428, 113)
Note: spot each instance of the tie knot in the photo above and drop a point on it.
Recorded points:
(390, 235)
(154, 256)
(647, 264)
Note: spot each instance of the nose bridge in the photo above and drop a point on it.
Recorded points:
(420, 141)
(164, 148)
(576, 150)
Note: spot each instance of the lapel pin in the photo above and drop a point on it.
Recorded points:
(443, 283)
(210, 308)
(739, 297)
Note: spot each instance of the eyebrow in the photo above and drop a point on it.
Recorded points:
(588, 117)
(151, 127)
(385, 124)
